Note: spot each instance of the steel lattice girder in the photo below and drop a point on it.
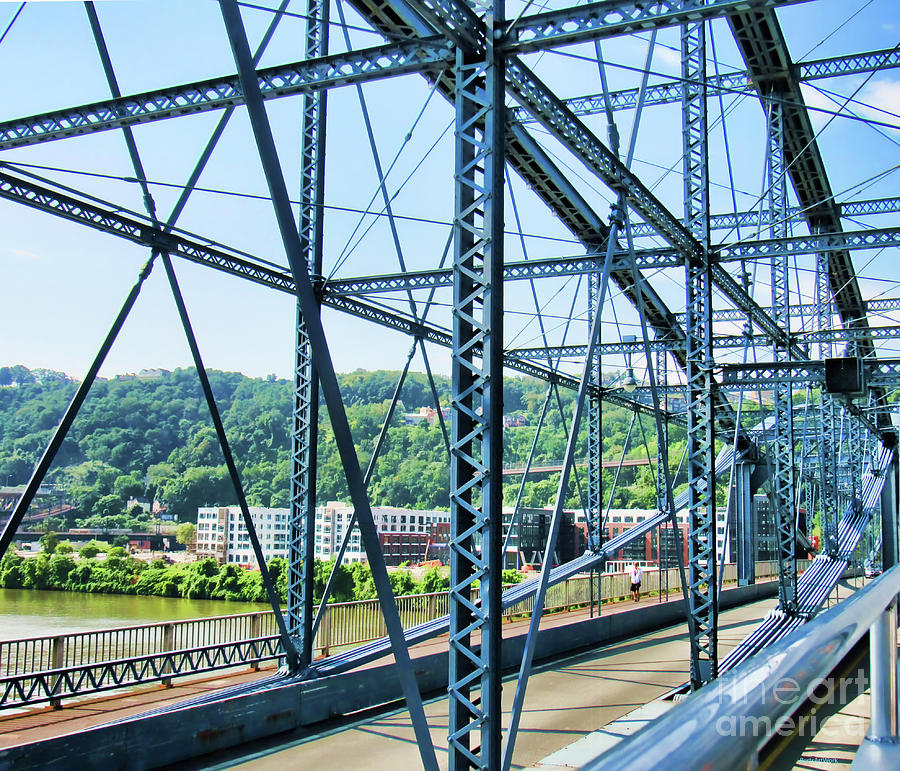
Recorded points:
(703, 599)
(609, 19)
(356, 66)
(336, 294)
(760, 39)
(719, 342)
(217, 93)
(594, 513)
(644, 259)
(782, 445)
(669, 92)
(752, 219)
(877, 372)
(476, 447)
(305, 417)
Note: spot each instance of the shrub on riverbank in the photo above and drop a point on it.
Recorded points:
(204, 579)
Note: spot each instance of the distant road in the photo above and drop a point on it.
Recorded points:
(557, 466)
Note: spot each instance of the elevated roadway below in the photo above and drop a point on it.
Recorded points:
(573, 696)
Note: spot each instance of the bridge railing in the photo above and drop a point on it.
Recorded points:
(39, 669)
(749, 711)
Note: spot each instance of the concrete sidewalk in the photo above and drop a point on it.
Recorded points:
(34, 724)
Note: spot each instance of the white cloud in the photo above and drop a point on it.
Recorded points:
(883, 95)
(814, 98)
(30, 255)
(668, 56)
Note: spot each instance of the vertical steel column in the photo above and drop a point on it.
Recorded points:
(306, 386)
(746, 542)
(477, 385)
(782, 444)
(594, 512)
(828, 450)
(698, 333)
(889, 556)
(662, 438)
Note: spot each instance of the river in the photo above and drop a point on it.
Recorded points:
(28, 613)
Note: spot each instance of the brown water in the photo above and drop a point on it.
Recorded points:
(26, 613)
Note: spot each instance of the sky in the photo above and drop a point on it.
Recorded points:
(62, 284)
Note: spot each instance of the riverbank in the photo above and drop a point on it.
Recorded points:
(117, 572)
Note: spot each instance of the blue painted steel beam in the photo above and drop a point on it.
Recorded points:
(550, 267)
(703, 586)
(476, 444)
(305, 407)
(300, 77)
(669, 91)
(611, 18)
(325, 370)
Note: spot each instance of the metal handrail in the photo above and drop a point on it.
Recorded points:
(726, 723)
(108, 658)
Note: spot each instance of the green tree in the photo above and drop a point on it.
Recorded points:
(129, 485)
(196, 487)
(36, 572)
(49, 542)
(59, 567)
(109, 506)
(186, 533)
(434, 581)
(402, 582)
(343, 588)
(91, 549)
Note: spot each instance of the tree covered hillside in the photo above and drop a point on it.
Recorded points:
(150, 437)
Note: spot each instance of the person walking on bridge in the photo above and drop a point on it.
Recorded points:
(636, 582)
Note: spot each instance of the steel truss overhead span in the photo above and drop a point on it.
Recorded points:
(758, 331)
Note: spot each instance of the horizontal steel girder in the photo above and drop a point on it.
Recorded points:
(645, 259)
(669, 91)
(247, 267)
(334, 70)
(340, 69)
(878, 373)
(610, 19)
(578, 352)
(751, 219)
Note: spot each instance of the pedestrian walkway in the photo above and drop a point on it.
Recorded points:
(565, 700)
(36, 724)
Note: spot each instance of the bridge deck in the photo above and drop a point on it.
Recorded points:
(44, 722)
(565, 701)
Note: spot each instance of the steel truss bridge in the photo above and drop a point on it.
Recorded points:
(668, 206)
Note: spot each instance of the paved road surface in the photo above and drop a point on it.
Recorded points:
(578, 696)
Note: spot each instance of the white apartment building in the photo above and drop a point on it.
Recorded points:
(333, 519)
(629, 517)
(221, 533)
